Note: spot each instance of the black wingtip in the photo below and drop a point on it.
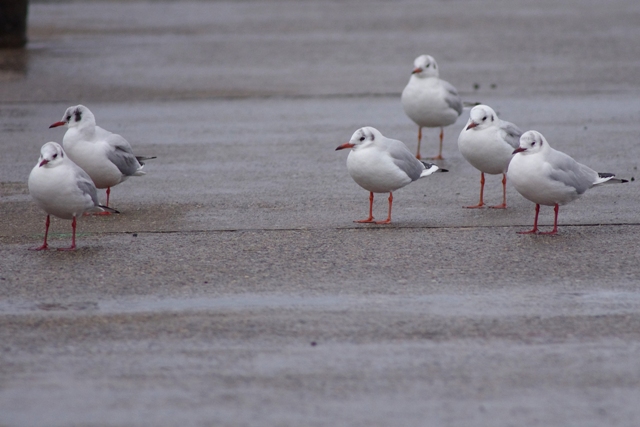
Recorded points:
(108, 209)
(605, 175)
(428, 165)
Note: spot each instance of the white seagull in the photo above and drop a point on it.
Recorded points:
(106, 157)
(550, 177)
(382, 165)
(430, 101)
(61, 188)
(488, 143)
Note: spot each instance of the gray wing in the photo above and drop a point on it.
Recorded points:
(571, 173)
(452, 98)
(511, 133)
(86, 186)
(403, 158)
(122, 156)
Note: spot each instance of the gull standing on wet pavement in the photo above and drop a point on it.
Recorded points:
(61, 188)
(488, 143)
(430, 101)
(107, 157)
(382, 165)
(549, 177)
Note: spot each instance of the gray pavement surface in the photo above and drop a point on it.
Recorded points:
(234, 288)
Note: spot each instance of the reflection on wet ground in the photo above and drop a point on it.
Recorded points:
(13, 63)
(490, 304)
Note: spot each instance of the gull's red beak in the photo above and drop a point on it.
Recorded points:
(56, 124)
(519, 150)
(472, 125)
(43, 162)
(345, 145)
(416, 70)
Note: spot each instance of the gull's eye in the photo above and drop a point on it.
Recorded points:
(484, 118)
(55, 155)
(533, 144)
(68, 118)
(362, 138)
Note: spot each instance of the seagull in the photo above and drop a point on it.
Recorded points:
(488, 143)
(106, 157)
(430, 101)
(62, 188)
(550, 177)
(382, 165)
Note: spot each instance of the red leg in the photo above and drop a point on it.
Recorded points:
(439, 156)
(481, 203)
(370, 219)
(104, 212)
(535, 223)
(556, 208)
(388, 220)
(504, 193)
(419, 140)
(73, 237)
(46, 233)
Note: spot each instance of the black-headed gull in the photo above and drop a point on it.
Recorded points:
(106, 157)
(430, 101)
(488, 143)
(61, 188)
(550, 177)
(382, 165)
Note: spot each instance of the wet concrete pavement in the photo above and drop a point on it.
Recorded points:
(234, 288)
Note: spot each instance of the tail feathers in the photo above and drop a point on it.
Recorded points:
(430, 168)
(609, 178)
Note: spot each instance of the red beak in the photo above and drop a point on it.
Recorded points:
(519, 150)
(472, 125)
(56, 124)
(43, 162)
(345, 145)
(416, 70)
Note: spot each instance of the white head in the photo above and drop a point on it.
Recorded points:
(51, 155)
(531, 142)
(76, 116)
(425, 66)
(362, 137)
(481, 117)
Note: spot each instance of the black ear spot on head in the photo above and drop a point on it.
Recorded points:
(78, 115)
(62, 154)
(373, 137)
(492, 118)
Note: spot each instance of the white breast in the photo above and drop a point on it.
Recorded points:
(424, 102)
(374, 170)
(485, 150)
(530, 175)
